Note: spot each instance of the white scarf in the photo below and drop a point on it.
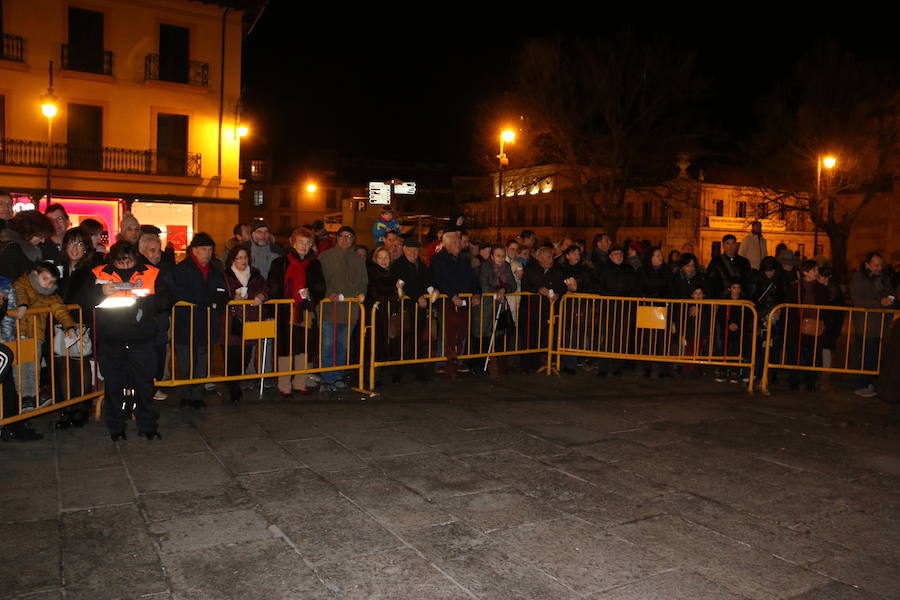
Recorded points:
(243, 276)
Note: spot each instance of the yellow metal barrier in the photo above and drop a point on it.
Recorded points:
(303, 344)
(826, 339)
(690, 332)
(36, 340)
(432, 329)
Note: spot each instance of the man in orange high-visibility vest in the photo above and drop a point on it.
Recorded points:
(127, 295)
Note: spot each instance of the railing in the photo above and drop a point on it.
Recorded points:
(432, 329)
(35, 337)
(805, 339)
(326, 340)
(28, 153)
(86, 59)
(13, 48)
(688, 332)
(192, 72)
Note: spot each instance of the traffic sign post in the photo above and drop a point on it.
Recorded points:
(382, 192)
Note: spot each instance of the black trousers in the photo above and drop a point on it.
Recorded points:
(10, 396)
(128, 366)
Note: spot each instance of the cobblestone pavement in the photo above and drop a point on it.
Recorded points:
(530, 487)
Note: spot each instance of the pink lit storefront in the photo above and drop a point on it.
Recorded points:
(175, 220)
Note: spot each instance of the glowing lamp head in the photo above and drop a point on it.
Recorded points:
(311, 187)
(49, 109)
(508, 136)
(242, 131)
(829, 161)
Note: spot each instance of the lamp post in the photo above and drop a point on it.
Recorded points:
(49, 109)
(821, 161)
(507, 136)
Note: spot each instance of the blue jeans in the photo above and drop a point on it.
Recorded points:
(867, 348)
(334, 350)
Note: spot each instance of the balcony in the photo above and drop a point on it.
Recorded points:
(13, 48)
(86, 59)
(28, 153)
(192, 72)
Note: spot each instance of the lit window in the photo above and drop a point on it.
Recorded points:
(257, 170)
(258, 198)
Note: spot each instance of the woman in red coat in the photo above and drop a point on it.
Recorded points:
(243, 282)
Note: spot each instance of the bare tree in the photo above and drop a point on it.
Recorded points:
(841, 107)
(610, 111)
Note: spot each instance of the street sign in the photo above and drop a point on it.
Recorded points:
(408, 187)
(379, 192)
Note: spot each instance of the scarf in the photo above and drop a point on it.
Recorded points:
(499, 272)
(295, 280)
(242, 276)
(204, 269)
(261, 257)
(43, 291)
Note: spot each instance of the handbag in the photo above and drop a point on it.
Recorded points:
(812, 327)
(505, 321)
(79, 347)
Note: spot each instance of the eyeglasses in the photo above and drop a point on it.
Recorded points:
(82, 244)
(61, 218)
(346, 235)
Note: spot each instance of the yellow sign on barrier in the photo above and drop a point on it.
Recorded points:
(23, 351)
(651, 317)
(258, 330)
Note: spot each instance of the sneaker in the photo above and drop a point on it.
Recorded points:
(28, 403)
(314, 377)
(720, 379)
(866, 392)
(209, 387)
(733, 380)
(745, 380)
(339, 385)
(160, 395)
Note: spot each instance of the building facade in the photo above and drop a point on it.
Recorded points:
(685, 211)
(146, 96)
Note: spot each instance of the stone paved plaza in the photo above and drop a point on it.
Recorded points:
(530, 487)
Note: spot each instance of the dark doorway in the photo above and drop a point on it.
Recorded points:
(84, 137)
(85, 49)
(171, 144)
(174, 53)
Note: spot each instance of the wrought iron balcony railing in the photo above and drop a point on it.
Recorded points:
(28, 153)
(86, 59)
(192, 72)
(13, 48)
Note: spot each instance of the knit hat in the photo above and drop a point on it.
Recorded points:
(257, 223)
(728, 237)
(202, 239)
(615, 248)
(412, 242)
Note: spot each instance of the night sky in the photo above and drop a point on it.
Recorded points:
(320, 85)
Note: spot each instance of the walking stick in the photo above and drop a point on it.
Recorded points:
(262, 366)
(487, 359)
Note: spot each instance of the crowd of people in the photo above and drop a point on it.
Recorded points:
(127, 295)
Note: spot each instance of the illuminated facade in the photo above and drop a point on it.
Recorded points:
(687, 211)
(146, 97)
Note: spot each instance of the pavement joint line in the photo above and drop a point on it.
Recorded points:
(77, 509)
(405, 543)
(145, 521)
(61, 563)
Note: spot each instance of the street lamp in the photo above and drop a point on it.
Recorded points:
(241, 131)
(828, 162)
(49, 108)
(507, 136)
(311, 187)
